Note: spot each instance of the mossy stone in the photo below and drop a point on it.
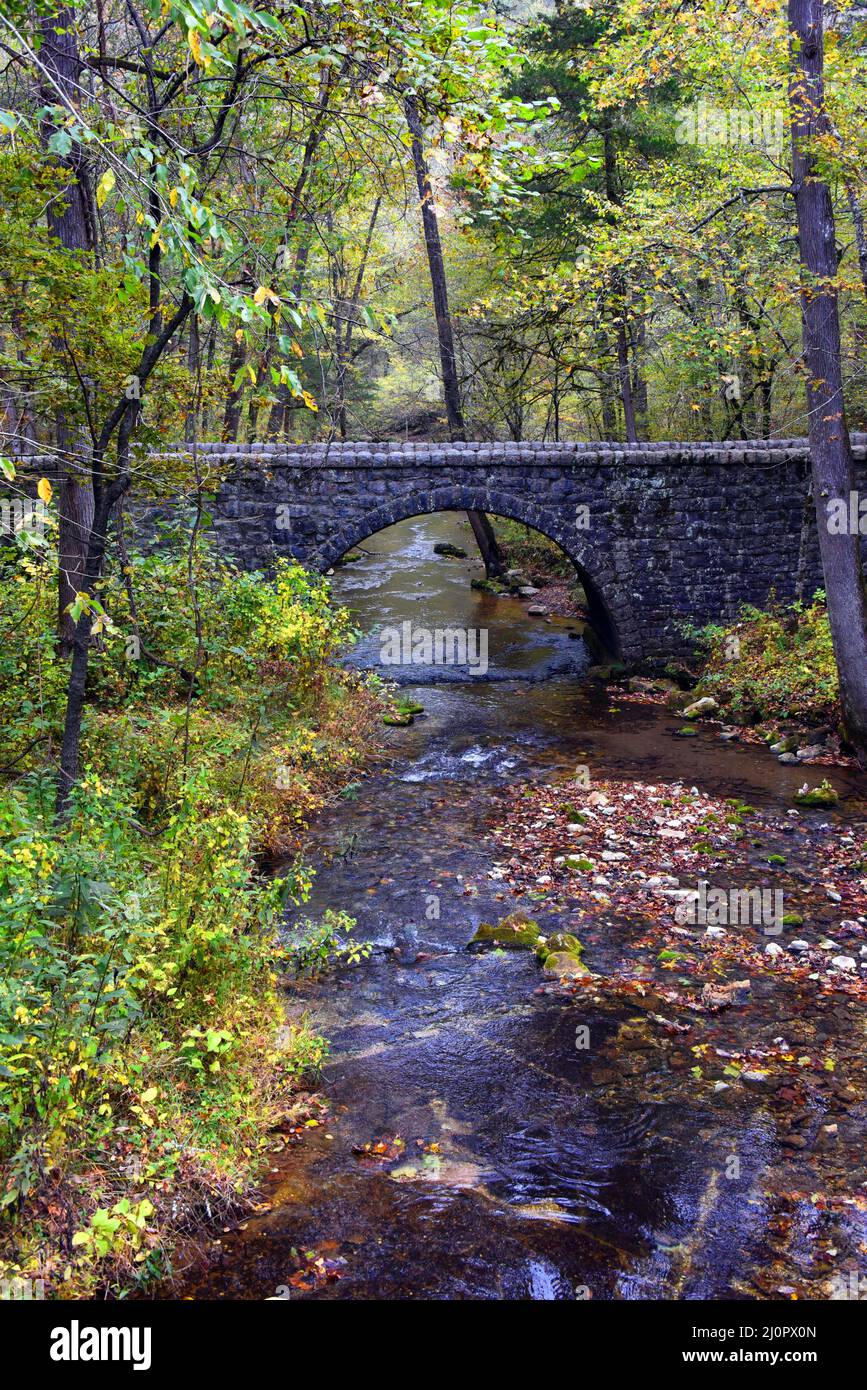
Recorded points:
(565, 964)
(516, 930)
(823, 795)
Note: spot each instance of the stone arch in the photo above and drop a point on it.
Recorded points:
(594, 567)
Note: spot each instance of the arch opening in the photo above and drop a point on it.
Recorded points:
(593, 572)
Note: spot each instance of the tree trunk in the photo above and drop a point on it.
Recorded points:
(830, 450)
(624, 379)
(194, 367)
(232, 412)
(482, 529)
(74, 228)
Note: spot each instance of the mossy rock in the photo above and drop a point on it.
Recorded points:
(515, 931)
(578, 864)
(793, 919)
(556, 942)
(399, 720)
(573, 815)
(823, 795)
(564, 964)
(687, 732)
(410, 707)
(454, 552)
(488, 586)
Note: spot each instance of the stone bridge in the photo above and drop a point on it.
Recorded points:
(660, 534)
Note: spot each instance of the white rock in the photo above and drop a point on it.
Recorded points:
(844, 962)
(773, 949)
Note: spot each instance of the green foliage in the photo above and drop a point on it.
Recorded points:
(530, 551)
(138, 939)
(773, 666)
(313, 946)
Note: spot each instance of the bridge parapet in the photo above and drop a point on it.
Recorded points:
(664, 536)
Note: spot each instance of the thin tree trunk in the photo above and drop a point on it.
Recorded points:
(232, 412)
(278, 415)
(623, 377)
(74, 227)
(482, 529)
(194, 362)
(345, 318)
(830, 450)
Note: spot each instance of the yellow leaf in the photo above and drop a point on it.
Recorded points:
(263, 293)
(194, 39)
(309, 401)
(44, 489)
(150, 1094)
(104, 187)
(297, 349)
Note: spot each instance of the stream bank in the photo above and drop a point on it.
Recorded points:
(471, 1148)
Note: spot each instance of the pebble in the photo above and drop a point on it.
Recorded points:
(844, 962)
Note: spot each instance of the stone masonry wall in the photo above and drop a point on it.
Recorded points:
(662, 535)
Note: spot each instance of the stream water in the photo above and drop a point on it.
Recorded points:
(521, 1173)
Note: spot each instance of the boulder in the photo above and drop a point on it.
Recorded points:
(699, 709)
(564, 964)
(515, 931)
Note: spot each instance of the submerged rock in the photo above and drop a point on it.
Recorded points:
(564, 964)
(823, 795)
(516, 930)
(560, 954)
(453, 551)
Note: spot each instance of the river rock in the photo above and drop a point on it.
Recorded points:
(700, 708)
(453, 551)
(515, 931)
(565, 964)
(813, 750)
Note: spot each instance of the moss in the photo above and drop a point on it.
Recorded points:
(578, 863)
(776, 859)
(793, 919)
(564, 963)
(784, 671)
(557, 942)
(516, 930)
(823, 795)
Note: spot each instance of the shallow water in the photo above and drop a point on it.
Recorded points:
(522, 1173)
